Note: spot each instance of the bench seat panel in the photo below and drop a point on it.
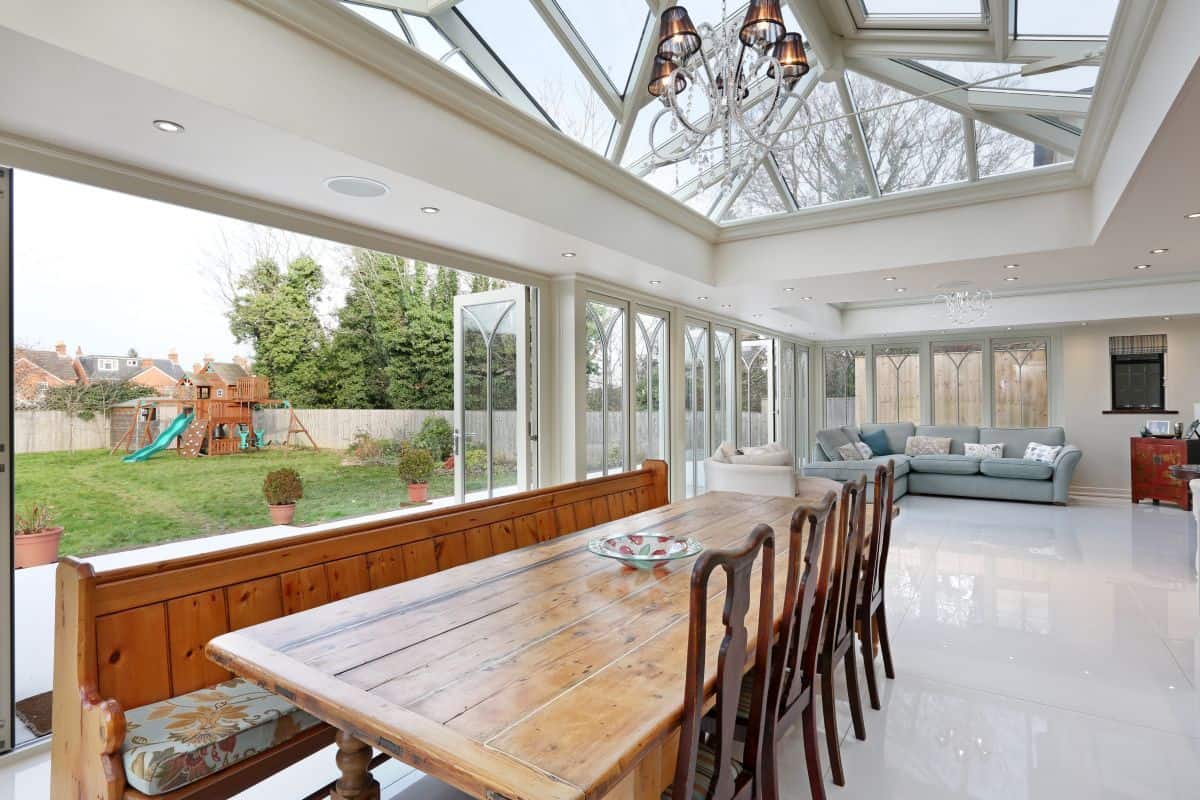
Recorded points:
(177, 741)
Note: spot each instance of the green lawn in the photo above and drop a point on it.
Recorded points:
(107, 505)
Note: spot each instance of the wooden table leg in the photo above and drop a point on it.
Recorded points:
(354, 759)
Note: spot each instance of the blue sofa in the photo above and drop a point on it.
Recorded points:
(955, 474)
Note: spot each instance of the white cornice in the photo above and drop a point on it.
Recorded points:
(1002, 187)
(326, 22)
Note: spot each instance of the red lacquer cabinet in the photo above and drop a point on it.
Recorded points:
(1150, 461)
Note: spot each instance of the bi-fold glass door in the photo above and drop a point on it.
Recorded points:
(6, 486)
(491, 393)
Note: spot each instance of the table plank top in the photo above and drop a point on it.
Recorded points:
(544, 672)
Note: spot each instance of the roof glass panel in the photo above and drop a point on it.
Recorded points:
(819, 163)
(923, 8)
(431, 42)
(520, 38)
(1000, 152)
(705, 200)
(759, 198)
(913, 145)
(1072, 79)
(1059, 19)
(611, 30)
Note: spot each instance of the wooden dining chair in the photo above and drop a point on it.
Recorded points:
(872, 610)
(705, 768)
(841, 603)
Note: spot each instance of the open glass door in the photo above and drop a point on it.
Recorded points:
(491, 393)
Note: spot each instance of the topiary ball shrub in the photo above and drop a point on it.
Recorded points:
(436, 436)
(283, 487)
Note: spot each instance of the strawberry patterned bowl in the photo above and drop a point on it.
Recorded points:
(645, 550)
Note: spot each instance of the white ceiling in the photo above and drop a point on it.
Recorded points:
(272, 113)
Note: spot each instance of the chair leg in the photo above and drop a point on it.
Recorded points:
(868, 655)
(831, 725)
(856, 709)
(808, 724)
(768, 786)
(885, 644)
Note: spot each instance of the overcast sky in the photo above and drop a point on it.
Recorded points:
(109, 271)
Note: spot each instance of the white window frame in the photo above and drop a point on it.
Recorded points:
(107, 365)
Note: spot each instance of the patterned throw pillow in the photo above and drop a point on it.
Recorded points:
(927, 446)
(984, 450)
(854, 451)
(1041, 452)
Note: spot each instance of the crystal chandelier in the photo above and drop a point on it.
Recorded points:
(739, 74)
(966, 307)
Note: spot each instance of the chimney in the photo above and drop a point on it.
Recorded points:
(173, 356)
(147, 363)
(208, 359)
(79, 351)
(60, 347)
(196, 367)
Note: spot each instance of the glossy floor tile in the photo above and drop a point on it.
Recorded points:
(1043, 653)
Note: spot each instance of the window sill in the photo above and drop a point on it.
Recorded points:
(1138, 411)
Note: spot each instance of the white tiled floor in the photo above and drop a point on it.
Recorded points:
(1042, 652)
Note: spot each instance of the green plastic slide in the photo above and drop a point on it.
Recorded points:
(176, 428)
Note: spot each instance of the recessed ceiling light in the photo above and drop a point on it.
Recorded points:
(1012, 278)
(655, 283)
(1011, 266)
(702, 298)
(789, 288)
(568, 254)
(902, 289)
(1167, 319)
(430, 209)
(353, 186)
(1142, 266)
(1009, 328)
(1196, 215)
(890, 278)
(806, 298)
(167, 126)
(1158, 251)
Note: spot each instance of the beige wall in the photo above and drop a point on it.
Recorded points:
(1104, 438)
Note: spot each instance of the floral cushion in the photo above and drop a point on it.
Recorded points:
(174, 742)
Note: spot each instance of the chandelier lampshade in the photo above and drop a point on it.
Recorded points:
(661, 77)
(793, 61)
(764, 24)
(677, 37)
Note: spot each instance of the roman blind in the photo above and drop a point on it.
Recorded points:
(1137, 345)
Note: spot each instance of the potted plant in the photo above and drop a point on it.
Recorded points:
(36, 540)
(282, 488)
(416, 466)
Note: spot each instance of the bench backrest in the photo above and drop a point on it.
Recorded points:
(143, 629)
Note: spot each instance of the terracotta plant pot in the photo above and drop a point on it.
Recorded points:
(35, 549)
(282, 515)
(418, 492)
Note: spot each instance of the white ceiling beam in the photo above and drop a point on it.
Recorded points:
(579, 52)
(1002, 25)
(858, 135)
(478, 55)
(983, 48)
(776, 176)
(1060, 104)
(827, 47)
(424, 8)
(838, 17)
(915, 82)
(636, 95)
(971, 145)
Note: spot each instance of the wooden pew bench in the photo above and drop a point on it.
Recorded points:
(132, 687)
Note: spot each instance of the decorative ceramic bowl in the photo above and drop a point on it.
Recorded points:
(645, 550)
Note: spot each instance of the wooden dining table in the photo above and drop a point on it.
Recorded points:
(545, 673)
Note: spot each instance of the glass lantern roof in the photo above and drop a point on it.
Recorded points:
(879, 124)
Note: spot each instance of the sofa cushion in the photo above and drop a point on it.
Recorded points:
(855, 451)
(897, 433)
(993, 450)
(1045, 453)
(1016, 468)
(1015, 440)
(850, 470)
(180, 740)
(927, 446)
(772, 458)
(945, 465)
(724, 452)
(829, 440)
(878, 442)
(959, 435)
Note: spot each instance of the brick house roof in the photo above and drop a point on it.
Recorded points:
(61, 367)
(126, 367)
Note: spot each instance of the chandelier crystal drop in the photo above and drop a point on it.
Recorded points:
(966, 307)
(723, 87)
